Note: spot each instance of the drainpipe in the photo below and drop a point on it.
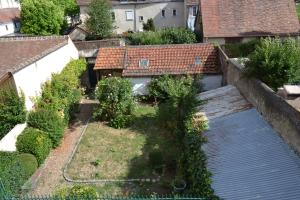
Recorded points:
(134, 21)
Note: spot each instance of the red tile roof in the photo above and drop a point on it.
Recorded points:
(9, 14)
(239, 18)
(163, 59)
(192, 2)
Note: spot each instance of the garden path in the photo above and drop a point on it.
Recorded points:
(50, 175)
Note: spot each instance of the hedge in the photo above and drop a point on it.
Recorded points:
(12, 110)
(15, 169)
(48, 121)
(35, 142)
(88, 192)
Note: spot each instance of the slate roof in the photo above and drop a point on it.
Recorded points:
(240, 18)
(9, 15)
(163, 59)
(19, 52)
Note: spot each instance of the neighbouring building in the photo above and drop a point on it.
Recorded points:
(9, 4)
(129, 15)
(9, 21)
(26, 63)
(230, 21)
(142, 63)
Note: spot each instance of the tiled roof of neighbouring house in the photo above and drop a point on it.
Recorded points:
(163, 59)
(19, 52)
(240, 18)
(9, 14)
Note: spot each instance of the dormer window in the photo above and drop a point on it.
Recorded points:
(198, 61)
(144, 63)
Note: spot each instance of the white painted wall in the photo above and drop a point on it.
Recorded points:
(151, 10)
(211, 82)
(140, 85)
(208, 82)
(9, 3)
(31, 78)
(8, 142)
(9, 28)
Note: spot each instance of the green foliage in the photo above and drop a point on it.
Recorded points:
(149, 25)
(165, 87)
(241, 49)
(35, 142)
(100, 22)
(12, 110)
(49, 122)
(298, 10)
(41, 17)
(15, 169)
(116, 101)
(156, 160)
(275, 62)
(69, 7)
(63, 93)
(164, 36)
(88, 192)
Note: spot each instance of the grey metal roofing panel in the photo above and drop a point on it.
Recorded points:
(249, 160)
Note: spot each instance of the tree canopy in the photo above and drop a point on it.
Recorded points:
(100, 22)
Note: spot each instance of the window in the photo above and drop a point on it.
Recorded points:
(129, 15)
(194, 11)
(198, 61)
(113, 16)
(174, 12)
(163, 13)
(141, 18)
(144, 63)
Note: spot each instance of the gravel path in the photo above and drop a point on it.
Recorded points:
(50, 175)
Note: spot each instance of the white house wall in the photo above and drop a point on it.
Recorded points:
(30, 79)
(8, 28)
(9, 4)
(208, 82)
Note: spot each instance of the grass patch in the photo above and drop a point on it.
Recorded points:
(108, 153)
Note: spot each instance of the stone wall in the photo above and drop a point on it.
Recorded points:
(284, 118)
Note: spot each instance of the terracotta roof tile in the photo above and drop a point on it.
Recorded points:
(163, 59)
(238, 18)
(9, 14)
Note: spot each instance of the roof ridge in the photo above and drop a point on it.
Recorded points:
(31, 38)
(159, 45)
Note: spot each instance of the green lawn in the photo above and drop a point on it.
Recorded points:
(108, 153)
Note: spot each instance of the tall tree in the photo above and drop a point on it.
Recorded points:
(41, 17)
(100, 22)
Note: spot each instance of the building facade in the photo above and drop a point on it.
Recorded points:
(130, 15)
(9, 21)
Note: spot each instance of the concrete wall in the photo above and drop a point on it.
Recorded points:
(30, 79)
(9, 28)
(284, 118)
(147, 11)
(8, 142)
(9, 4)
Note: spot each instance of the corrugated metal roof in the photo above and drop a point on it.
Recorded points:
(249, 160)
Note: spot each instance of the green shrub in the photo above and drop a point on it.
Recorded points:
(164, 36)
(12, 110)
(116, 101)
(241, 49)
(275, 62)
(156, 160)
(149, 25)
(35, 142)
(63, 93)
(49, 122)
(15, 169)
(88, 192)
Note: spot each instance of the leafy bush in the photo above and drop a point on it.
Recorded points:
(241, 49)
(165, 87)
(149, 25)
(164, 36)
(12, 110)
(275, 62)
(63, 93)
(77, 191)
(15, 169)
(49, 122)
(156, 160)
(116, 101)
(35, 142)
